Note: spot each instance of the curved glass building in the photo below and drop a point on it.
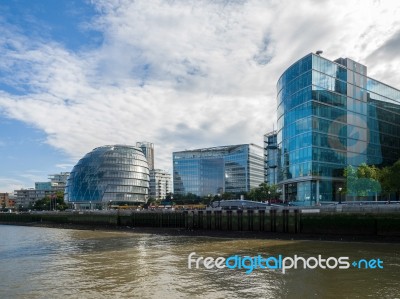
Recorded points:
(109, 175)
(330, 115)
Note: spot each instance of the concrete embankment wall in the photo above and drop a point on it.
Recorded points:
(280, 221)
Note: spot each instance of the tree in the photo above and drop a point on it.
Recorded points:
(386, 181)
(264, 192)
(227, 196)
(362, 181)
(53, 202)
(395, 177)
(390, 179)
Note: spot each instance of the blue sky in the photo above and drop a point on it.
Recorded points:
(75, 75)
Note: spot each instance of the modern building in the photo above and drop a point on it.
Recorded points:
(59, 181)
(160, 184)
(271, 158)
(26, 198)
(43, 186)
(148, 151)
(330, 115)
(111, 175)
(212, 171)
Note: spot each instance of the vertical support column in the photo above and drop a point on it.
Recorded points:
(218, 220)
(229, 220)
(261, 220)
(296, 221)
(186, 219)
(240, 219)
(194, 222)
(272, 214)
(208, 213)
(285, 221)
(250, 220)
(200, 219)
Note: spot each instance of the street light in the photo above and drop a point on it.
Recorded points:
(90, 207)
(340, 195)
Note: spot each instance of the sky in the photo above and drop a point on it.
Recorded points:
(75, 75)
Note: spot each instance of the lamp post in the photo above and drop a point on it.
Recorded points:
(90, 205)
(340, 195)
(109, 207)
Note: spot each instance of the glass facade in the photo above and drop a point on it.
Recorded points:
(330, 115)
(116, 175)
(212, 171)
(271, 158)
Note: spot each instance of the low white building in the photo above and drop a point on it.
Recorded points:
(160, 184)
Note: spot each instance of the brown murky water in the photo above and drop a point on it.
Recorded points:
(61, 263)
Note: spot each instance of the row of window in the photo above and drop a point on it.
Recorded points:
(361, 108)
(332, 156)
(382, 89)
(300, 97)
(330, 113)
(118, 154)
(297, 156)
(329, 83)
(104, 183)
(294, 71)
(391, 106)
(324, 96)
(390, 117)
(294, 86)
(301, 126)
(121, 167)
(384, 127)
(96, 195)
(112, 174)
(328, 67)
(128, 161)
(124, 197)
(317, 169)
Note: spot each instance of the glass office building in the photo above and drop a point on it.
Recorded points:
(330, 115)
(212, 171)
(109, 175)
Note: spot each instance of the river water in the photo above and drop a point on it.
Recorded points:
(63, 263)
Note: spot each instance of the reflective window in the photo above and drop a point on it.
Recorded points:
(117, 173)
(234, 169)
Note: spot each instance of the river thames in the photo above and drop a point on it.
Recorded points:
(65, 263)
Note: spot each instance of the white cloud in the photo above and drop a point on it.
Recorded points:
(8, 185)
(65, 166)
(184, 74)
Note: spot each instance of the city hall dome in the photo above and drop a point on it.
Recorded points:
(109, 175)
